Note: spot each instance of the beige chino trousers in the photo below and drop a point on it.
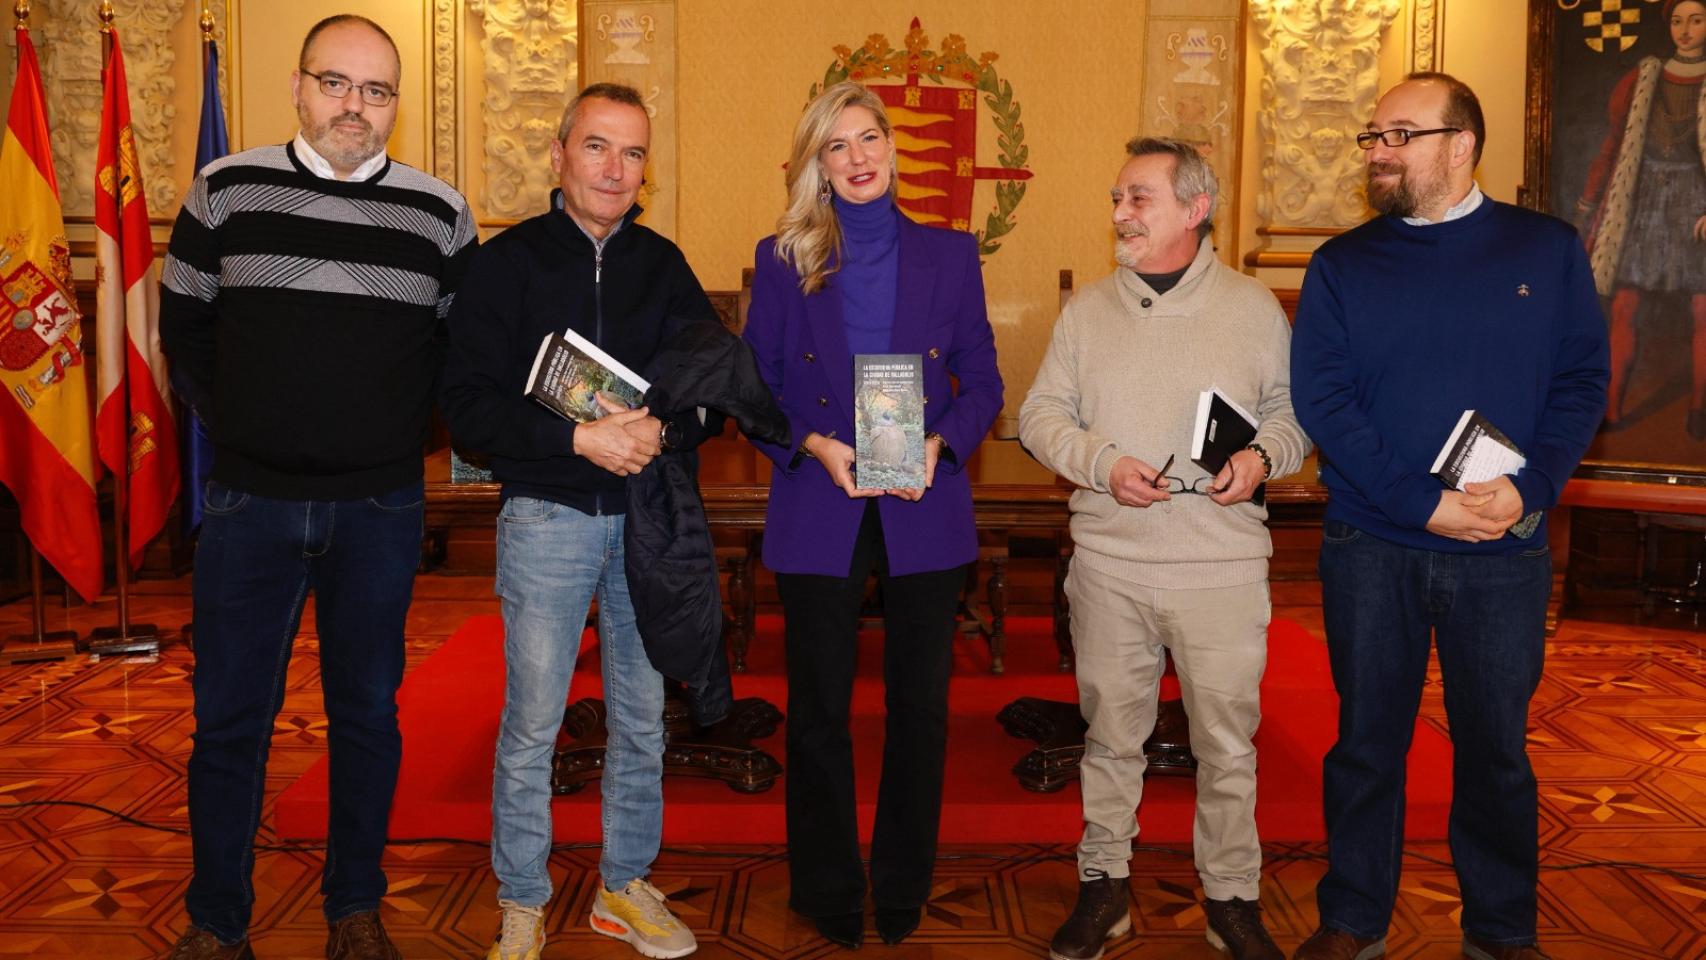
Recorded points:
(1218, 640)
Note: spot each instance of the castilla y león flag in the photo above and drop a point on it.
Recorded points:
(134, 427)
(47, 456)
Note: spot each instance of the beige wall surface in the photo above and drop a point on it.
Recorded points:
(745, 69)
(748, 65)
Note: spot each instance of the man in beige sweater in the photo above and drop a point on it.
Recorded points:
(1176, 562)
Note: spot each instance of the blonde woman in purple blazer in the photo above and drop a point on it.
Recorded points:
(848, 273)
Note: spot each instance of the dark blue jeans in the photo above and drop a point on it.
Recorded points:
(256, 560)
(1488, 616)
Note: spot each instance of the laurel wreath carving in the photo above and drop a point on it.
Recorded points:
(877, 60)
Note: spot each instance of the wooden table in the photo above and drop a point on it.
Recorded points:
(1013, 496)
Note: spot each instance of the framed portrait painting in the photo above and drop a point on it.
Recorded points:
(1616, 143)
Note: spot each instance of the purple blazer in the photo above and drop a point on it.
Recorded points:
(801, 345)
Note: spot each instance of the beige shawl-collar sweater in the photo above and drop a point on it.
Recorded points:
(1123, 371)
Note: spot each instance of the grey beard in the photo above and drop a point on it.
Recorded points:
(1123, 255)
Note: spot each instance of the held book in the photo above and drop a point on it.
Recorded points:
(1223, 428)
(888, 420)
(1477, 451)
(570, 371)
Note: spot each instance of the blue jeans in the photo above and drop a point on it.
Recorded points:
(256, 560)
(1488, 616)
(552, 560)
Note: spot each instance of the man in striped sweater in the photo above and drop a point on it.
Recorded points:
(306, 290)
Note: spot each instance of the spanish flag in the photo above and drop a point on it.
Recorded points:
(134, 426)
(47, 456)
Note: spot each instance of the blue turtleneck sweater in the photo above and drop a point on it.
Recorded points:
(870, 263)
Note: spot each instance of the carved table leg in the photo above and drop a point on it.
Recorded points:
(1062, 612)
(740, 608)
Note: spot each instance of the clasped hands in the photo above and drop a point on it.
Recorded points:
(1480, 511)
(837, 459)
(622, 441)
(1134, 483)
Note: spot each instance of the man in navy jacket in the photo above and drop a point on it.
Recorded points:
(1447, 301)
(584, 264)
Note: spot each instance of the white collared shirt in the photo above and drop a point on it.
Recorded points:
(321, 168)
(1461, 208)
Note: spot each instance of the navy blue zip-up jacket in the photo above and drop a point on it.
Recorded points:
(544, 275)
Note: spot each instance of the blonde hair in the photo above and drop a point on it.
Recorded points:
(808, 231)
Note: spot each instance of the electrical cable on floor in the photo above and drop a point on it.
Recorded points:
(1271, 853)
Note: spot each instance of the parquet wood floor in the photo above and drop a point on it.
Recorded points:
(1618, 738)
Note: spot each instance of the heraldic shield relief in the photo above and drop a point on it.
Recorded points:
(41, 320)
(933, 98)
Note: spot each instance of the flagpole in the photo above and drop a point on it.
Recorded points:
(126, 637)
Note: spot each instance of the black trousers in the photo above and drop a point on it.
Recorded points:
(822, 624)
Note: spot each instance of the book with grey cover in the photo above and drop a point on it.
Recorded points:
(888, 420)
(570, 371)
(1477, 451)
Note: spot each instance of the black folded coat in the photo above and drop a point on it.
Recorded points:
(671, 564)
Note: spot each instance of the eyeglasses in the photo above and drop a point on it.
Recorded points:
(1200, 486)
(336, 87)
(1398, 137)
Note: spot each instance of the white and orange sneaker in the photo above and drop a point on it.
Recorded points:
(637, 914)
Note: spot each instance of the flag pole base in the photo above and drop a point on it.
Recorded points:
(28, 648)
(112, 641)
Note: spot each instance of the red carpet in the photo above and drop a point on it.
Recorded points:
(450, 706)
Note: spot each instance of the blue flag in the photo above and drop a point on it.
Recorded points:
(210, 144)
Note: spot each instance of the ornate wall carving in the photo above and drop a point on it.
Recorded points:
(445, 40)
(1319, 82)
(1426, 31)
(1191, 91)
(69, 39)
(633, 42)
(530, 74)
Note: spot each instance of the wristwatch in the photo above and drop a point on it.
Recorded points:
(669, 434)
(1267, 461)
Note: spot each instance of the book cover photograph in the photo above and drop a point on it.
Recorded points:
(888, 420)
(570, 371)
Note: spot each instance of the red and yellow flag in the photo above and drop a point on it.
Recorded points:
(134, 426)
(47, 456)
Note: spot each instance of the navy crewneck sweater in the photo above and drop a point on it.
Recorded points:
(870, 263)
(1400, 328)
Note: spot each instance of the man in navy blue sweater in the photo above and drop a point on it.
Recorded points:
(1447, 301)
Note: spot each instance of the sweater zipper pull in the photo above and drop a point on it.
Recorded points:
(597, 266)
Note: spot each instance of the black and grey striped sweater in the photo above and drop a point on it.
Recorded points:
(304, 319)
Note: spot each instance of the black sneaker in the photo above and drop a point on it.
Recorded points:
(1235, 927)
(1101, 913)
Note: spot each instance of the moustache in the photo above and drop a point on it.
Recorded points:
(1127, 231)
(1385, 167)
(352, 118)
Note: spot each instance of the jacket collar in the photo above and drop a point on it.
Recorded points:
(570, 232)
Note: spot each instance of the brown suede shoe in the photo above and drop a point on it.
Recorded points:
(360, 937)
(198, 944)
(1475, 949)
(1327, 943)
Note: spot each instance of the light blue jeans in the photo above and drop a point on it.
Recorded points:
(552, 559)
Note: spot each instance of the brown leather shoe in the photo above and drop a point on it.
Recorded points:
(360, 937)
(1475, 949)
(1327, 943)
(1235, 928)
(198, 944)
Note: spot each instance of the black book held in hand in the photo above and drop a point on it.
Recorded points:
(570, 371)
(1223, 428)
(1477, 451)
